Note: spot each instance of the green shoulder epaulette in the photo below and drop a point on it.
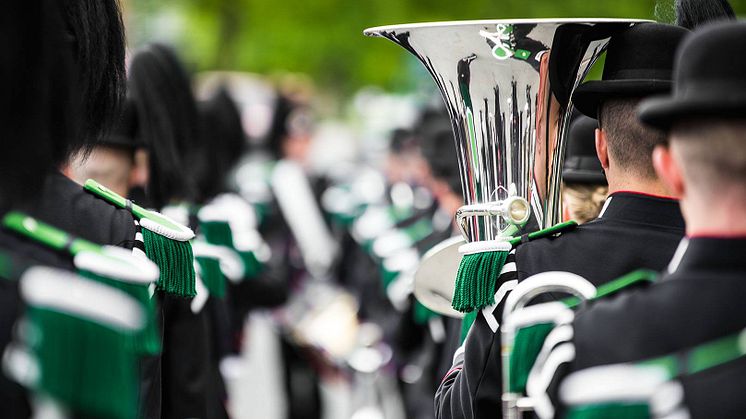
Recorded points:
(482, 263)
(82, 346)
(166, 242)
(674, 366)
(110, 265)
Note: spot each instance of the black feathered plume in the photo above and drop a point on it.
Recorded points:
(96, 32)
(693, 13)
(278, 129)
(223, 143)
(168, 122)
(37, 104)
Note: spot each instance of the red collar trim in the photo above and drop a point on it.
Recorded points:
(646, 194)
(704, 235)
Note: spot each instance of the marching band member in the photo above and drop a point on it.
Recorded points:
(638, 210)
(692, 317)
(58, 327)
(584, 185)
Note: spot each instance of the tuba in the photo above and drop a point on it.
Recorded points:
(507, 86)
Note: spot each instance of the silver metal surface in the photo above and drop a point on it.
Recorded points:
(514, 404)
(507, 84)
(433, 281)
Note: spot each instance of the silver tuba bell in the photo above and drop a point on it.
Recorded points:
(507, 86)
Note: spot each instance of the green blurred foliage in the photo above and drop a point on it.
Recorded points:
(323, 38)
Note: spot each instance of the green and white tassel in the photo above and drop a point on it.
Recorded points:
(249, 246)
(175, 260)
(482, 264)
(217, 232)
(212, 276)
(477, 274)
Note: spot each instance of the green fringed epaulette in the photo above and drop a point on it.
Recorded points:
(482, 263)
(529, 340)
(79, 336)
(166, 243)
(216, 224)
(212, 275)
(109, 265)
(674, 366)
(217, 232)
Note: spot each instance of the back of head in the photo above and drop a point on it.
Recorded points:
(693, 13)
(630, 143)
(440, 153)
(168, 121)
(280, 129)
(223, 142)
(98, 45)
(37, 105)
(706, 115)
(713, 156)
(581, 164)
(584, 185)
(639, 64)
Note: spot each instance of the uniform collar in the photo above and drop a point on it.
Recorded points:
(710, 253)
(642, 208)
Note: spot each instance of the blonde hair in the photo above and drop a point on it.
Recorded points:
(583, 202)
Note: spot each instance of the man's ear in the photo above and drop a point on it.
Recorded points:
(602, 149)
(668, 170)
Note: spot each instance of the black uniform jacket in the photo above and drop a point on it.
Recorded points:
(67, 206)
(24, 253)
(633, 231)
(700, 301)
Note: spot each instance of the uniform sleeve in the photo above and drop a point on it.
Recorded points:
(472, 388)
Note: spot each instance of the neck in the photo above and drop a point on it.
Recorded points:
(720, 217)
(629, 183)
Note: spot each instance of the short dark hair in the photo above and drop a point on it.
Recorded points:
(96, 32)
(713, 153)
(630, 142)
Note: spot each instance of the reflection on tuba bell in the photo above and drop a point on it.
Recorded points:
(507, 86)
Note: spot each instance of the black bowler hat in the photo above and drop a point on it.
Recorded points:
(581, 162)
(710, 78)
(639, 63)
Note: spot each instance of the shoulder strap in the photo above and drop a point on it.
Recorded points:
(639, 277)
(549, 231)
(46, 235)
(109, 261)
(150, 220)
(701, 357)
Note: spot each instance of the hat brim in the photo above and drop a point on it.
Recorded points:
(663, 112)
(119, 141)
(584, 177)
(589, 95)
